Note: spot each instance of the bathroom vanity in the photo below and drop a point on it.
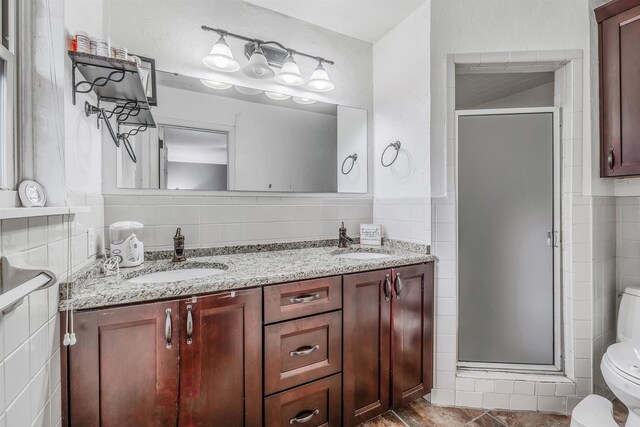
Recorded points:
(277, 338)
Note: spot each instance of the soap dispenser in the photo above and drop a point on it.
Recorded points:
(178, 247)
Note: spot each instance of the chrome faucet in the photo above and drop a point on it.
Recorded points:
(343, 239)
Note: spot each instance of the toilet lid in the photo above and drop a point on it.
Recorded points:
(625, 357)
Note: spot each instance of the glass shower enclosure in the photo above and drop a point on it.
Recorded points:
(508, 239)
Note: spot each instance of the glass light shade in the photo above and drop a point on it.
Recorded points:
(303, 101)
(290, 73)
(215, 85)
(248, 90)
(319, 81)
(258, 68)
(220, 58)
(277, 96)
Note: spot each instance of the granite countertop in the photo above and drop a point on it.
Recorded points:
(243, 267)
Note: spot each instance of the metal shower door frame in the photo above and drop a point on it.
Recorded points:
(557, 242)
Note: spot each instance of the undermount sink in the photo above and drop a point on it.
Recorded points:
(362, 255)
(176, 275)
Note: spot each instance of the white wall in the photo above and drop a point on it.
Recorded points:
(62, 151)
(541, 96)
(401, 92)
(469, 26)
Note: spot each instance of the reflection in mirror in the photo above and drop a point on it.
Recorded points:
(192, 159)
(214, 136)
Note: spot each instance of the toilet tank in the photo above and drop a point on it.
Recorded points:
(629, 315)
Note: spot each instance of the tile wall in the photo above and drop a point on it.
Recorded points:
(604, 283)
(30, 334)
(557, 393)
(217, 221)
(407, 219)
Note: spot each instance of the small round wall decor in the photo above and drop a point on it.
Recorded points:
(31, 194)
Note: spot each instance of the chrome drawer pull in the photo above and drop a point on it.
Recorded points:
(309, 298)
(167, 329)
(300, 352)
(189, 325)
(298, 419)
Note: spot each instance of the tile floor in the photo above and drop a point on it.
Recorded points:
(422, 414)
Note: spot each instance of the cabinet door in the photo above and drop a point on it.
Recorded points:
(412, 338)
(124, 368)
(620, 93)
(366, 345)
(220, 360)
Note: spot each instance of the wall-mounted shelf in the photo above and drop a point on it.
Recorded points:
(111, 79)
(9, 213)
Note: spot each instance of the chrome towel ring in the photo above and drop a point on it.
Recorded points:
(353, 158)
(395, 145)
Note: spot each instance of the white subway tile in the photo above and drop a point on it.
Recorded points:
(545, 389)
(39, 349)
(504, 386)
(14, 235)
(469, 399)
(442, 397)
(552, 404)
(495, 401)
(39, 391)
(19, 412)
(465, 384)
(485, 386)
(519, 402)
(16, 370)
(16, 327)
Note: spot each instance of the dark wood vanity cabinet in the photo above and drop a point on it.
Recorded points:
(337, 351)
(221, 360)
(124, 369)
(619, 52)
(388, 340)
(195, 362)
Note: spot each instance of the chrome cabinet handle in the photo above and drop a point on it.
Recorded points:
(398, 285)
(300, 419)
(308, 298)
(189, 325)
(387, 287)
(167, 329)
(306, 351)
(610, 158)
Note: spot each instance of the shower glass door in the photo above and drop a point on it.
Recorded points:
(507, 216)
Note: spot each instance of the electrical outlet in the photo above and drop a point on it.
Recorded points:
(91, 242)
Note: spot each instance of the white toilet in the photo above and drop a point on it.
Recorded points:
(620, 368)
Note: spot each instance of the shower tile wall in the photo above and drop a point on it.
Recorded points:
(216, 221)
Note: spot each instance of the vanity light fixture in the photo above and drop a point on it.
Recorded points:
(290, 72)
(215, 85)
(263, 55)
(319, 81)
(258, 68)
(303, 101)
(277, 96)
(248, 90)
(220, 58)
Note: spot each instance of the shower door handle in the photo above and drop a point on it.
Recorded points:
(553, 239)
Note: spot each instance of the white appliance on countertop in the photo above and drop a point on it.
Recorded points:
(620, 368)
(125, 243)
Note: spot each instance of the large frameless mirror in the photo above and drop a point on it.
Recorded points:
(221, 137)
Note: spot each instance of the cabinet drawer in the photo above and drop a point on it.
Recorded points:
(319, 403)
(297, 299)
(302, 350)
